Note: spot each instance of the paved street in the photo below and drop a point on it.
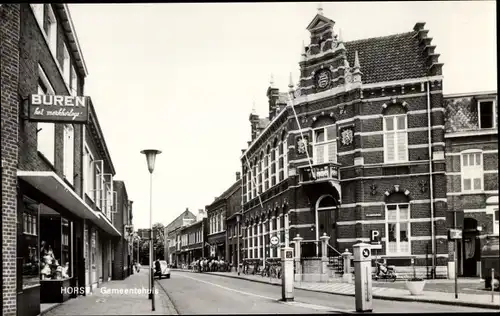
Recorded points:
(221, 295)
(107, 300)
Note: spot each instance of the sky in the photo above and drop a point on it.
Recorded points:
(183, 77)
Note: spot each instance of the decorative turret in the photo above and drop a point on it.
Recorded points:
(356, 73)
(272, 96)
(434, 67)
(254, 122)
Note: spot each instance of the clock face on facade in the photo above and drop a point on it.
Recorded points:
(323, 79)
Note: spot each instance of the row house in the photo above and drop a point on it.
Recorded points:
(472, 173)
(234, 238)
(122, 255)
(357, 146)
(172, 233)
(58, 199)
(192, 239)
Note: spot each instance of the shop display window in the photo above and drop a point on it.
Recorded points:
(29, 243)
(55, 245)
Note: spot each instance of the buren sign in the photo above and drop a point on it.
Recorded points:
(58, 108)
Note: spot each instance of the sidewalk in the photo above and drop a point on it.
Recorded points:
(112, 299)
(470, 300)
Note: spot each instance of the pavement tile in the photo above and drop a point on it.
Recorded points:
(118, 298)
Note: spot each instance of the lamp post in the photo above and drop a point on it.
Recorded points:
(238, 216)
(150, 158)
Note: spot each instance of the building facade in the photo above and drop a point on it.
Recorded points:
(192, 239)
(233, 223)
(472, 174)
(172, 233)
(122, 255)
(357, 147)
(57, 174)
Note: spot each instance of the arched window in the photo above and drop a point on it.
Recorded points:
(472, 170)
(395, 134)
(267, 157)
(249, 185)
(397, 225)
(325, 141)
(254, 168)
(259, 174)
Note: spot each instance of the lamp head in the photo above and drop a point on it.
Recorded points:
(150, 158)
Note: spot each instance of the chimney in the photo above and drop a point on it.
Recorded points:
(238, 176)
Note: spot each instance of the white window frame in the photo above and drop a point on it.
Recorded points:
(325, 145)
(69, 152)
(260, 176)
(279, 157)
(66, 65)
(393, 133)
(496, 222)
(38, 11)
(98, 168)
(273, 163)
(52, 30)
(494, 116)
(285, 158)
(265, 168)
(471, 172)
(46, 131)
(88, 172)
(398, 222)
(73, 87)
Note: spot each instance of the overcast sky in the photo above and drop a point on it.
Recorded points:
(182, 78)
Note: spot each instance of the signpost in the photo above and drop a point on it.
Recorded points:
(375, 239)
(455, 234)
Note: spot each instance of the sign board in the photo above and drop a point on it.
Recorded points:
(289, 255)
(58, 108)
(275, 240)
(454, 233)
(374, 236)
(366, 252)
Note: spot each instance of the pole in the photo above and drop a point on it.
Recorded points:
(492, 287)
(238, 248)
(456, 270)
(151, 275)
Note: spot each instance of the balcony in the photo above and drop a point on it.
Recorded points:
(324, 172)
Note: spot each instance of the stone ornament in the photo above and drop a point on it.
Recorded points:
(302, 145)
(347, 136)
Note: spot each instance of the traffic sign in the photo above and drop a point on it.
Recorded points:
(455, 233)
(275, 240)
(366, 252)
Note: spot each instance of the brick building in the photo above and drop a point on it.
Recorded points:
(122, 220)
(57, 175)
(472, 173)
(192, 239)
(220, 212)
(233, 222)
(359, 154)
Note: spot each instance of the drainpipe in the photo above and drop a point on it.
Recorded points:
(431, 184)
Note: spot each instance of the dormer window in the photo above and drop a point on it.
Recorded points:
(487, 114)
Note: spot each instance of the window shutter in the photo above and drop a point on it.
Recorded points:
(402, 146)
(390, 146)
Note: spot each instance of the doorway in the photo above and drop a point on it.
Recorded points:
(470, 253)
(327, 218)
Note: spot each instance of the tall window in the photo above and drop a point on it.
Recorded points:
(285, 156)
(260, 179)
(273, 162)
(472, 171)
(395, 138)
(73, 85)
(50, 29)
(398, 228)
(88, 172)
(487, 114)
(68, 152)
(66, 64)
(325, 144)
(98, 183)
(496, 222)
(266, 168)
(45, 131)
(38, 10)
(249, 186)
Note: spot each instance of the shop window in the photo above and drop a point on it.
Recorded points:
(325, 144)
(55, 245)
(472, 172)
(487, 113)
(395, 138)
(28, 244)
(398, 229)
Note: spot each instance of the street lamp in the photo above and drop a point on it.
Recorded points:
(150, 158)
(238, 217)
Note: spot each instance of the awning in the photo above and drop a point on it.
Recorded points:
(49, 183)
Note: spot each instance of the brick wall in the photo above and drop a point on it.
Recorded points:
(9, 50)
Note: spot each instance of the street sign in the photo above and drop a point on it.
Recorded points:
(455, 233)
(377, 246)
(366, 252)
(374, 236)
(275, 240)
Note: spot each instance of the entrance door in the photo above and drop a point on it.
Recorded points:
(326, 211)
(471, 248)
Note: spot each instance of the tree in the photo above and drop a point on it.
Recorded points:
(158, 244)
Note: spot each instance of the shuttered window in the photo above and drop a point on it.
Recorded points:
(395, 138)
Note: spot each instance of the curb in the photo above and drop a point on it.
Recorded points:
(50, 308)
(168, 298)
(376, 296)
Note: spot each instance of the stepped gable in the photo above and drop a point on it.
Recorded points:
(388, 58)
